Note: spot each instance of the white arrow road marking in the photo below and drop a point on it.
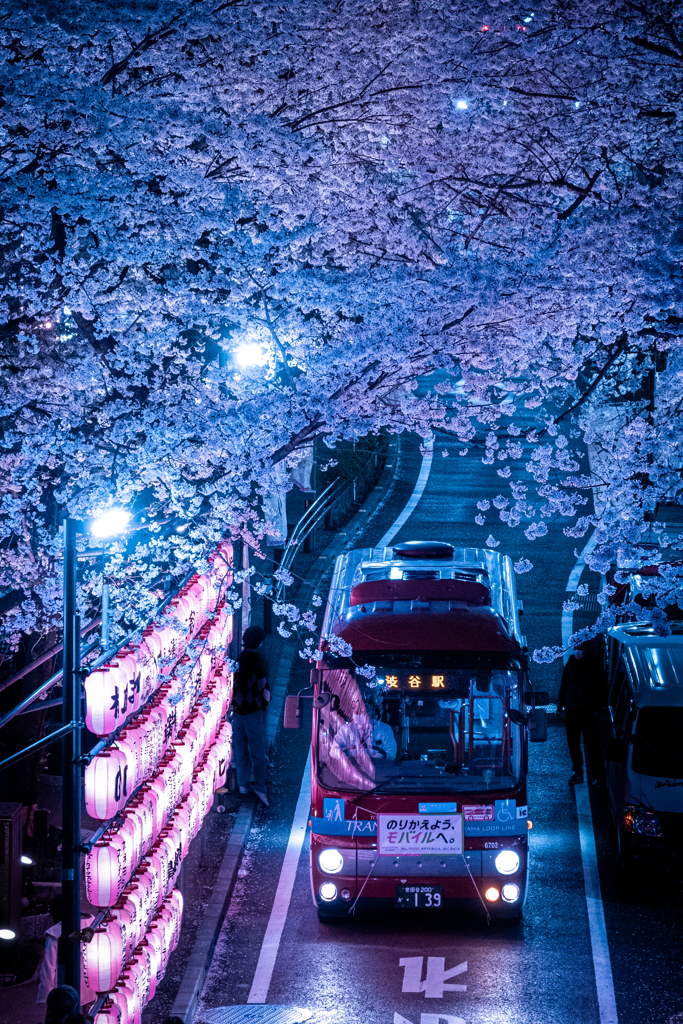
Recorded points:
(434, 984)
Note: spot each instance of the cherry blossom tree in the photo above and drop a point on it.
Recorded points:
(359, 193)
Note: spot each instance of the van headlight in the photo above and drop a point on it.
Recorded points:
(507, 862)
(330, 861)
(328, 891)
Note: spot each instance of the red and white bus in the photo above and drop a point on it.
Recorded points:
(419, 757)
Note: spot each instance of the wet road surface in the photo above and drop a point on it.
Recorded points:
(542, 971)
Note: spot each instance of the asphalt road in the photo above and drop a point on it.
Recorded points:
(542, 971)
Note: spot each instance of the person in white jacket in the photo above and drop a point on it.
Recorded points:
(48, 970)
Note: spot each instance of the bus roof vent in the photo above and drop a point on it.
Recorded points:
(425, 549)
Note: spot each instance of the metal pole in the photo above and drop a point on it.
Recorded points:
(69, 953)
(105, 616)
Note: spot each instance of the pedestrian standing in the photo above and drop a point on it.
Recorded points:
(250, 699)
(582, 698)
(48, 969)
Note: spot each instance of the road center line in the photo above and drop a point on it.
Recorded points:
(418, 491)
(596, 915)
(283, 895)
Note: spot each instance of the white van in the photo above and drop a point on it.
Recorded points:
(644, 750)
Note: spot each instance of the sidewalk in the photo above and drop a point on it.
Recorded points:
(18, 1004)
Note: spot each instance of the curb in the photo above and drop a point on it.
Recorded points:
(194, 975)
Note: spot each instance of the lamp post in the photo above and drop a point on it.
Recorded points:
(69, 948)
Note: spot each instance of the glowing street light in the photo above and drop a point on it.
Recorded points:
(249, 354)
(111, 522)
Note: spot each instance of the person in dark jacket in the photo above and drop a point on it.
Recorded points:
(249, 702)
(581, 698)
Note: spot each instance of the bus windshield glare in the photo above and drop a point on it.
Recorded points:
(441, 730)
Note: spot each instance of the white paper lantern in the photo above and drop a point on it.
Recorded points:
(105, 871)
(103, 958)
(104, 784)
(106, 699)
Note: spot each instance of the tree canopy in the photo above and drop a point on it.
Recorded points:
(368, 192)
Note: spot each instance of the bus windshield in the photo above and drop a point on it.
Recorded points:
(443, 731)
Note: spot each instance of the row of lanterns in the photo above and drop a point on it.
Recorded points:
(160, 774)
(193, 768)
(134, 983)
(114, 774)
(118, 689)
(139, 903)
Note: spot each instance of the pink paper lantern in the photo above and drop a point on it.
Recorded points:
(106, 699)
(150, 875)
(105, 872)
(176, 905)
(128, 746)
(105, 783)
(153, 945)
(125, 991)
(143, 959)
(121, 1004)
(155, 793)
(103, 958)
(137, 977)
(159, 859)
(110, 1013)
(166, 916)
(138, 902)
(127, 662)
(131, 830)
(145, 807)
(123, 915)
(181, 820)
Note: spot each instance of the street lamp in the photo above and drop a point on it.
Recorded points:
(69, 948)
(250, 353)
(110, 523)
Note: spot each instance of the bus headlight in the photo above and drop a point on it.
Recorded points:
(492, 894)
(328, 891)
(330, 861)
(507, 862)
(510, 892)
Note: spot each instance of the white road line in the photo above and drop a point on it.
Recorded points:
(596, 916)
(283, 896)
(602, 966)
(409, 507)
(572, 584)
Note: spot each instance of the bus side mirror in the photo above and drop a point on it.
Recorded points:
(616, 750)
(538, 725)
(292, 717)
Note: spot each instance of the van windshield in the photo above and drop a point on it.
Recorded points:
(445, 731)
(657, 749)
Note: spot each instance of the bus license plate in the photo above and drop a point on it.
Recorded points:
(414, 897)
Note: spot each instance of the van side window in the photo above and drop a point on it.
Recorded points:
(620, 699)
